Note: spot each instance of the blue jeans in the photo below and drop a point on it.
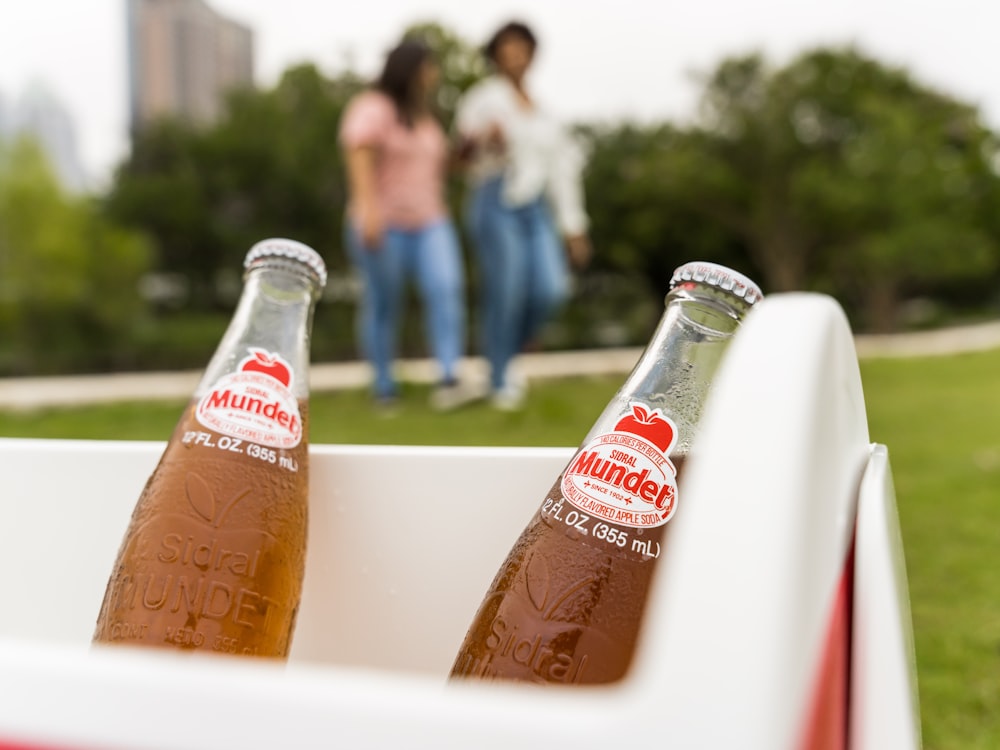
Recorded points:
(433, 257)
(524, 272)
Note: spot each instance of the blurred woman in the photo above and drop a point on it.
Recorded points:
(398, 225)
(526, 210)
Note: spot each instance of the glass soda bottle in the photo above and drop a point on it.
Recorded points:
(566, 605)
(214, 554)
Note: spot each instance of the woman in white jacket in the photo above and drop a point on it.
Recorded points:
(526, 209)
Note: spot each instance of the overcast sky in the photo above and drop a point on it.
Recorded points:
(598, 59)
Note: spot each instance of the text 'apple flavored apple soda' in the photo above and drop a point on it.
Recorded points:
(566, 605)
(214, 555)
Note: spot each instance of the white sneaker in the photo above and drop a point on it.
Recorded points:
(446, 397)
(510, 397)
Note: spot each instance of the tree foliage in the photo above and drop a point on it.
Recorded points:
(841, 173)
(68, 278)
(834, 172)
(639, 226)
(270, 167)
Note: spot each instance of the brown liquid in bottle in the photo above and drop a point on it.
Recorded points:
(566, 606)
(214, 554)
(561, 591)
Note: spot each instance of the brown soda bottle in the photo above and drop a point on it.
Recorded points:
(566, 605)
(214, 554)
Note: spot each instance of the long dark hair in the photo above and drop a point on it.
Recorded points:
(515, 29)
(399, 75)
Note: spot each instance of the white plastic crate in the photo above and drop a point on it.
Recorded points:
(731, 653)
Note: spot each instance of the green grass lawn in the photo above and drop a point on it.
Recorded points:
(557, 414)
(938, 416)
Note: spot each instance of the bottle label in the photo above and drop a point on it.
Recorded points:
(255, 403)
(624, 476)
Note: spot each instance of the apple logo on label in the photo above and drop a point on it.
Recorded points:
(269, 364)
(650, 424)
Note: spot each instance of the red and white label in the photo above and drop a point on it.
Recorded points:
(624, 476)
(255, 403)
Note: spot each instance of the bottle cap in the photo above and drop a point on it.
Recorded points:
(719, 277)
(278, 247)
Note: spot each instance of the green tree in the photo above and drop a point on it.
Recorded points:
(68, 278)
(841, 173)
(162, 189)
(638, 226)
(270, 167)
(277, 165)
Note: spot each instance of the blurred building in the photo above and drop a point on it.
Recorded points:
(182, 58)
(37, 113)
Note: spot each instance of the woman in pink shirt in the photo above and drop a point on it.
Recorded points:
(398, 225)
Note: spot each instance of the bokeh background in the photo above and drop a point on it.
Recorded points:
(849, 149)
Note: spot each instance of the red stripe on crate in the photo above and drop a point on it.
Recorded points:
(827, 728)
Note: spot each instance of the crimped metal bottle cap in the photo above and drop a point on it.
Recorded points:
(279, 247)
(719, 277)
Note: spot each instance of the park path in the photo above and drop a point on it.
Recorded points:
(32, 393)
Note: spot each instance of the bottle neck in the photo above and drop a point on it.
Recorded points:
(274, 314)
(676, 369)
